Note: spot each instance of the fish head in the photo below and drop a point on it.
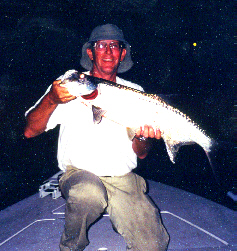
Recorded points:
(78, 84)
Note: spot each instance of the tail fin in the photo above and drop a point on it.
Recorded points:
(217, 159)
(211, 157)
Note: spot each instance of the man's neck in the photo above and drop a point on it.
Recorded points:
(109, 77)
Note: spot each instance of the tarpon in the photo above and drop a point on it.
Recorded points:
(132, 109)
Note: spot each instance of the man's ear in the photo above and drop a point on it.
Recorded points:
(89, 53)
(123, 54)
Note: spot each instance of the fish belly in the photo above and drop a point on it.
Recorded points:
(134, 109)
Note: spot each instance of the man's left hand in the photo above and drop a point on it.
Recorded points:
(148, 132)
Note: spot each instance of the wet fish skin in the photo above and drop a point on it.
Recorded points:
(132, 108)
(77, 88)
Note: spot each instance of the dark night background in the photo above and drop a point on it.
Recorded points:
(40, 40)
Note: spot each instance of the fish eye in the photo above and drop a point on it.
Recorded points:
(82, 76)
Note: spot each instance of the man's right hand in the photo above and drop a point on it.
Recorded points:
(59, 94)
(37, 118)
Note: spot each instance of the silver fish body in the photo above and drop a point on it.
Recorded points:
(131, 108)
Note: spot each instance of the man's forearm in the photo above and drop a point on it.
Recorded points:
(38, 118)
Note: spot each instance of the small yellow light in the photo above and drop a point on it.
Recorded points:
(194, 44)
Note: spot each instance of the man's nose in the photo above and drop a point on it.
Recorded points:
(108, 49)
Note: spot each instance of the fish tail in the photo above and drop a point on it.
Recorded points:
(216, 157)
(211, 158)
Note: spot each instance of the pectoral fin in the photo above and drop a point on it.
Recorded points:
(97, 114)
(131, 133)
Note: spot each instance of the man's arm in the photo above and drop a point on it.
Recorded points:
(142, 147)
(38, 118)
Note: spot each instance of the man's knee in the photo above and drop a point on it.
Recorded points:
(81, 184)
(88, 193)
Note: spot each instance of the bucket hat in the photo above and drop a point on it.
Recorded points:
(107, 32)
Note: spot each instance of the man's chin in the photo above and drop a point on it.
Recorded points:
(109, 70)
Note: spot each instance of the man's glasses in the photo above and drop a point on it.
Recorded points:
(102, 46)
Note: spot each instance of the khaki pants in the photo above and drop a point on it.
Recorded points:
(131, 211)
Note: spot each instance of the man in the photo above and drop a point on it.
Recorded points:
(97, 159)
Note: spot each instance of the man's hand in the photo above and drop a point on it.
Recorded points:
(142, 146)
(38, 118)
(148, 132)
(59, 93)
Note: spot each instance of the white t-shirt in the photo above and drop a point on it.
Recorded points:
(103, 149)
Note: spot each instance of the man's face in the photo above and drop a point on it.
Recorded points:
(106, 56)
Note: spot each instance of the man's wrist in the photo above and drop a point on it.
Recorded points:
(140, 138)
(50, 100)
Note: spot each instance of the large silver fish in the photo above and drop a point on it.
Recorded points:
(132, 108)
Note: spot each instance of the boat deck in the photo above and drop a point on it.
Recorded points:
(194, 223)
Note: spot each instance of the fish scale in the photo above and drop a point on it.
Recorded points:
(132, 109)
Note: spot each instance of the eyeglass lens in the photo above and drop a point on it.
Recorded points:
(104, 45)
